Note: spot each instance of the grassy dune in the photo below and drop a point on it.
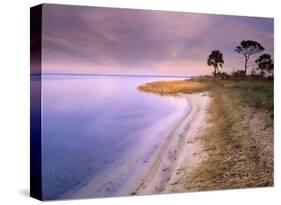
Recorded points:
(239, 140)
(256, 94)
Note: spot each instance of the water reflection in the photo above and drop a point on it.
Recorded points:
(91, 122)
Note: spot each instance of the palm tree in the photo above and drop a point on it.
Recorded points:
(215, 59)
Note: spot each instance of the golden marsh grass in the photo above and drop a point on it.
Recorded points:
(173, 87)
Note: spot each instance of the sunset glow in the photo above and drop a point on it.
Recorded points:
(129, 41)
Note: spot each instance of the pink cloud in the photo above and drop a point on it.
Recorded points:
(104, 40)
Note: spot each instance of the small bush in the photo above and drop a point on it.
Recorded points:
(223, 76)
(237, 75)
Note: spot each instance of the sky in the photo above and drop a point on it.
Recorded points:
(79, 39)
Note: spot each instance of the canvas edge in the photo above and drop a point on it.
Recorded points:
(35, 102)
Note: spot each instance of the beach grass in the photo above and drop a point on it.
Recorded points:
(239, 140)
(173, 87)
(257, 94)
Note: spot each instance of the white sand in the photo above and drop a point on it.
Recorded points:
(178, 159)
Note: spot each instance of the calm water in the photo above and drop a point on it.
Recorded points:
(90, 124)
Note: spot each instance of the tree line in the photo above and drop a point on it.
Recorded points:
(247, 48)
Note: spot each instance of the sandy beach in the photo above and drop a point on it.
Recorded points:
(178, 156)
(236, 145)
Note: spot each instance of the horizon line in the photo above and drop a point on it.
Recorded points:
(102, 74)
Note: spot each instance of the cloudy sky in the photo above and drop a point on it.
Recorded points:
(127, 41)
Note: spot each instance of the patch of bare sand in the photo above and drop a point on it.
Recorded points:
(182, 153)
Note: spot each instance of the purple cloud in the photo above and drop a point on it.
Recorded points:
(128, 41)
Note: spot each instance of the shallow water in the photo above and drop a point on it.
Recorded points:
(91, 123)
